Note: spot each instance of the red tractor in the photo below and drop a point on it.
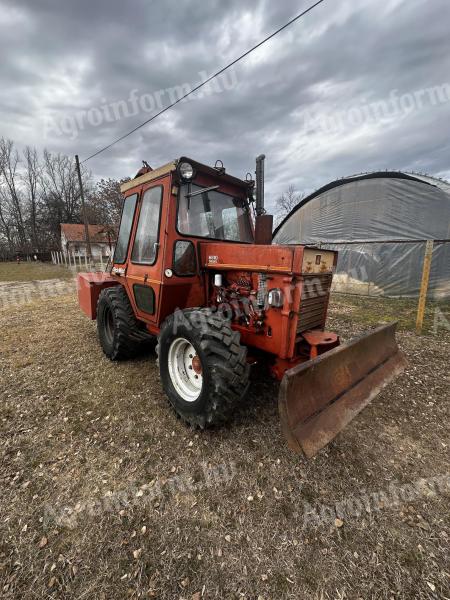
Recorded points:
(194, 266)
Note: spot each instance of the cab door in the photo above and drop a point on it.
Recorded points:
(145, 264)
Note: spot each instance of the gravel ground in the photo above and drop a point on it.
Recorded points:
(105, 494)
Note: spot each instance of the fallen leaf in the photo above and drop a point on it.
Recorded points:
(431, 586)
(196, 596)
(137, 553)
(43, 542)
(228, 538)
(338, 523)
(52, 582)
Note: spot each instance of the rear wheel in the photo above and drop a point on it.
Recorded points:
(202, 365)
(120, 333)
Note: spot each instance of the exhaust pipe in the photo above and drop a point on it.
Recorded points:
(263, 221)
(260, 184)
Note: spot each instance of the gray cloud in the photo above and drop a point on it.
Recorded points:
(61, 58)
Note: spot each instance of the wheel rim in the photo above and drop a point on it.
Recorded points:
(185, 369)
(109, 325)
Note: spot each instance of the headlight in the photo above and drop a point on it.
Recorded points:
(275, 298)
(186, 171)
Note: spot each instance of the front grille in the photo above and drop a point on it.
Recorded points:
(313, 302)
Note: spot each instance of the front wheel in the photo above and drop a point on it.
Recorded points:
(202, 365)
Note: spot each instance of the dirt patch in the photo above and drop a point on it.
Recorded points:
(228, 520)
(19, 293)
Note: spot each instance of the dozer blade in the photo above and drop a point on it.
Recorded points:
(320, 397)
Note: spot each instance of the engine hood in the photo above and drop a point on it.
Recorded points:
(257, 258)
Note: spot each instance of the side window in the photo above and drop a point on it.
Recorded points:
(126, 223)
(145, 248)
(184, 262)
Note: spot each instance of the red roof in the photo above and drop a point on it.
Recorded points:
(74, 232)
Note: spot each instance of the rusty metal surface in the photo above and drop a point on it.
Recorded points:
(320, 397)
(263, 229)
(89, 286)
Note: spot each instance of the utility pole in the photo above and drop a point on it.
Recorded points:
(83, 205)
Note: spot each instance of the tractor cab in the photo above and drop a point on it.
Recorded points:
(168, 214)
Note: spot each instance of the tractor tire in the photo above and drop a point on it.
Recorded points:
(202, 365)
(120, 333)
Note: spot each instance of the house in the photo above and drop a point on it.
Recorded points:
(73, 239)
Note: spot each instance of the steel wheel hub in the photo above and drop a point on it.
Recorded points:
(185, 369)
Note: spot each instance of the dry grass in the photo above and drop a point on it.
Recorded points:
(75, 426)
(29, 271)
(376, 311)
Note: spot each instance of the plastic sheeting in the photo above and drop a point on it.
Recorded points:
(390, 269)
(389, 218)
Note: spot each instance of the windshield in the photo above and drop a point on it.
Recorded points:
(213, 215)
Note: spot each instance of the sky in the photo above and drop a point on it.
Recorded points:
(352, 87)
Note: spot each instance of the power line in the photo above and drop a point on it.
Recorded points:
(299, 16)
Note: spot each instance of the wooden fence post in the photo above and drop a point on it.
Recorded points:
(424, 285)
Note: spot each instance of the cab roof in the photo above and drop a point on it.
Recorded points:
(172, 166)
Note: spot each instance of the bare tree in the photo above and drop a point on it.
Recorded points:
(31, 177)
(60, 183)
(61, 193)
(37, 194)
(105, 203)
(5, 226)
(286, 202)
(11, 196)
